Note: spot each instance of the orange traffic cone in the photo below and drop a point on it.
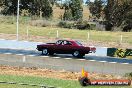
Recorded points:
(84, 73)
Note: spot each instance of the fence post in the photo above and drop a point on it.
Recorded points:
(57, 35)
(27, 32)
(24, 59)
(121, 38)
(88, 35)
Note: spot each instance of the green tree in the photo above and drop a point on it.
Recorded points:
(44, 7)
(33, 6)
(10, 7)
(95, 7)
(68, 13)
(119, 12)
(76, 9)
(2, 2)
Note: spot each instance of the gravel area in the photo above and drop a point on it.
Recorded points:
(48, 73)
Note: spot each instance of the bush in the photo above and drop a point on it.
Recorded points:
(40, 23)
(82, 25)
(127, 28)
(7, 19)
(92, 26)
(129, 75)
(62, 24)
(108, 26)
(67, 15)
(65, 24)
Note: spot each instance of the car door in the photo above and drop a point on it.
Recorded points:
(63, 47)
(66, 47)
(57, 46)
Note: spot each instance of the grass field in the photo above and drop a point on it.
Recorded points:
(50, 32)
(58, 83)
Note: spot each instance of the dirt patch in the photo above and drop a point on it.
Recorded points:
(66, 75)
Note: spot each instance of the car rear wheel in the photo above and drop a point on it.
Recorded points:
(45, 52)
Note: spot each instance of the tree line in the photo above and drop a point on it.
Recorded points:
(115, 13)
(33, 7)
(41, 7)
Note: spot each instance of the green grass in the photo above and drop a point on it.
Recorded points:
(45, 81)
(102, 36)
(15, 86)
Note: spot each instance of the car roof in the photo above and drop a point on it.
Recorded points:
(67, 40)
(72, 41)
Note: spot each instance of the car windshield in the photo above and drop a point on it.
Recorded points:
(78, 43)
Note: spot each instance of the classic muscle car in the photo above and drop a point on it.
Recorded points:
(65, 47)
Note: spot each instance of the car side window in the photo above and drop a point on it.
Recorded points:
(67, 43)
(64, 42)
(59, 42)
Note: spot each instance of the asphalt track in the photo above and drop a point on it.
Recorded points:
(68, 64)
(87, 57)
(27, 45)
(19, 53)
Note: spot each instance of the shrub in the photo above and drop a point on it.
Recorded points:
(108, 26)
(92, 26)
(7, 19)
(129, 75)
(82, 25)
(65, 24)
(127, 28)
(67, 15)
(40, 23)
(61, 24)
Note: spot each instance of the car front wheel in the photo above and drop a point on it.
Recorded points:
(77, 54)
(45, 52)
(51, 53)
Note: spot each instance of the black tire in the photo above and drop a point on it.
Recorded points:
(81, 55)
(84, 81)
(45, 52)
(51, 53)
(77, 54)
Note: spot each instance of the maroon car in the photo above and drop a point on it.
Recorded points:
(65, 47)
